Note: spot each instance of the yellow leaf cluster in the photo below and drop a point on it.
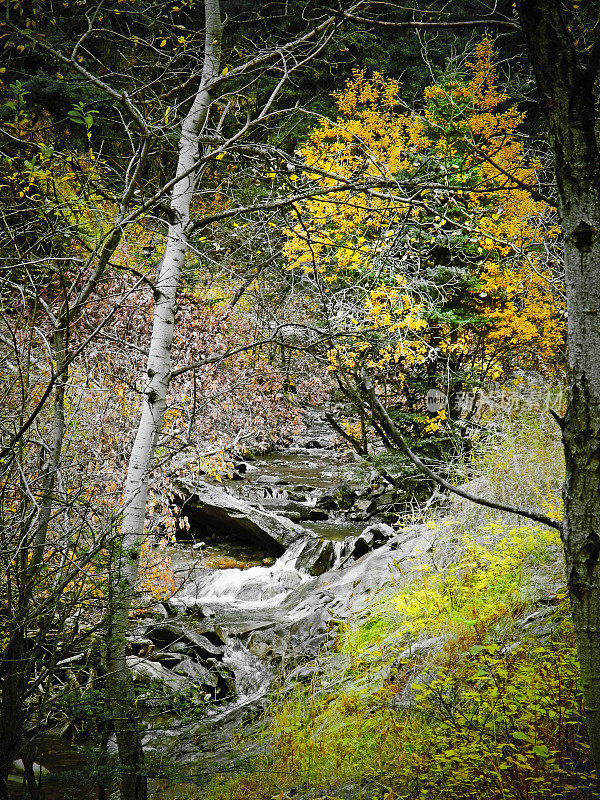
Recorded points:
(472, 215)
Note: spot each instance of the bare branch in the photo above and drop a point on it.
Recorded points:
(399, 440)
(420, 25)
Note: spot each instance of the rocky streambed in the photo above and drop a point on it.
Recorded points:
(278, 554)
(234, 631)
(307, 532)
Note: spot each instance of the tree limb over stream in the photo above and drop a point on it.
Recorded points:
(392, 431)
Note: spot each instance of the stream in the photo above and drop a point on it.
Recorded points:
(251, 607)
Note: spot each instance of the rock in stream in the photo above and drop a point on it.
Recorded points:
(209, 507)
(245, 625)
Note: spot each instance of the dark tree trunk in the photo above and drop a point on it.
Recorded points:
(17, 663)
(126, 720)
(566, 90)
(12, 716)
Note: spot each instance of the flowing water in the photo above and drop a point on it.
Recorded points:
(249, 596)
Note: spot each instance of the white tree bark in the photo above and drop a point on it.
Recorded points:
(153, 408)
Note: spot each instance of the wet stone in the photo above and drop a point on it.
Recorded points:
(196, 673)
(168, 659)
(271, 480)
(283, 611)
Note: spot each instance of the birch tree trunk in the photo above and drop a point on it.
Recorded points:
(119, 686)
(566, 87)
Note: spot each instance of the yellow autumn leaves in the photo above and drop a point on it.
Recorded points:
(453, 251)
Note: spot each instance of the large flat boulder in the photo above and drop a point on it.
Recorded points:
(214, 509)
(145, 671)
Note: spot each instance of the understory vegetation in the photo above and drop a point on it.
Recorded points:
(220, 221)
(460, 679)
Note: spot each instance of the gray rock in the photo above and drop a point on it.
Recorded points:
(316, 557)
(196, 672)
(168, 659)
(541, 623)
(140, 645)
(271, 480)
(380, 531)
(291, 509)
(337, 497)
(422, 648)
(296, 495)
(413, 541)
(371, 538)
(535, 618)
(385, 499)
(202, 644)
(145, 671)
(285, 632)
(259, 646)
(285, 582)
(179, 648)
(231, 516)
(293, 640)
(180, 638)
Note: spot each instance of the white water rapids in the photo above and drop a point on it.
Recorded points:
(252, 588)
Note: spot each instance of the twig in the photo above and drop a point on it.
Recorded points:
(399, 440)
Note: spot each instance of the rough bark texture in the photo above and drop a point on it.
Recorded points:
(120, 689)
(12, 717)
(566, 87)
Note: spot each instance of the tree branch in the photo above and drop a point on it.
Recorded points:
(354, 443)
(221, 356)
(55, 376)
(399, 440)
(593, 66)
(417, 24)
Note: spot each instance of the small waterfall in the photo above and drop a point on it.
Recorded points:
(289, 558)
(246, 589)
(252, 683)
(252, 676)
